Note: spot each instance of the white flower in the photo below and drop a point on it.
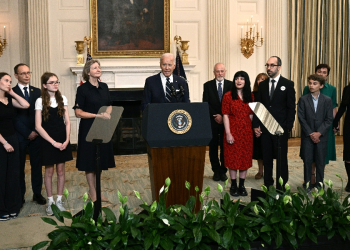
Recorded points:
(277, 197)
(89, 243)
(321, 184)
(349, 200)
(161, 190)
(166, 222)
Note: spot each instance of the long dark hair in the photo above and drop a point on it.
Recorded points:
(46, 97)
(247, 91)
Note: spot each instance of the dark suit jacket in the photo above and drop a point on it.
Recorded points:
(282, 105)
(154, 91)
(25, 119)
(211, 96)
(315, 122)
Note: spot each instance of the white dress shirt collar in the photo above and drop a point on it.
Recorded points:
(21, 86)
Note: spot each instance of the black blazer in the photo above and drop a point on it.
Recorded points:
(282, 106)
(154, 92)
(25, 119)
(211, 96)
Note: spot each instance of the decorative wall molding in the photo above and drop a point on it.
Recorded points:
(72, 5)
(218, 33)
(39, 46)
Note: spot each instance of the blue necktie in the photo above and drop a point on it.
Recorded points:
(220, 91)
(26, 95)
(168, 90)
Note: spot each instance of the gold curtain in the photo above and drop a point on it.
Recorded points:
(319, 32)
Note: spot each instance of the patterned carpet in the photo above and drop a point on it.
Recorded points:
(131, 174)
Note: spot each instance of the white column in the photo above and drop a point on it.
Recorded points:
(276, 40)
(39, 47)
(218, 34)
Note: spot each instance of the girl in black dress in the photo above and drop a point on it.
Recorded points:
(257, 151)
(345, 106)
(53, 125)
(91, 96)
(10, 190)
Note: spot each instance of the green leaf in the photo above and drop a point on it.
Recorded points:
(312, 236)
(278, 239)
(226, 237)
(166, 243)
(67, 215)
(57, 213)
(197, 234)
(81, 226)
(115, 241)
(125, 199)
(275, 219)
(109, 214)
(49, 221)
(301, 231)
(207, 190)
(148, 242)
(330, 234)
(214, 235)
(66, 193)
(89, 209)
(59, 238)
(153, 206)
(187, 185)
(266, 228)
(40, 245)
(156, 240)
(134, 231)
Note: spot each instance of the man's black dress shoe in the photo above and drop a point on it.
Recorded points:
(234, 191)
(39, 199)
(216, 177)
(223, 177)
(242, 191)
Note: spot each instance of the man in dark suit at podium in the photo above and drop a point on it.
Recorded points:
(213, 92)
(27, 136)
(278, 96)
(165, 87)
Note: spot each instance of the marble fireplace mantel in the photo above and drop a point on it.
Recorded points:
(126, 76)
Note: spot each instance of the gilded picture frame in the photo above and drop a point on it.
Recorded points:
(129, 28)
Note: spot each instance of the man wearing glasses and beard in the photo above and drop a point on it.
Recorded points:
(277, 94)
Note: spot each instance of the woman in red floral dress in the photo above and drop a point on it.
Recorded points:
(238, 139)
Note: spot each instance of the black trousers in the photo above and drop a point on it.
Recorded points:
(218, 166)
(269, 150)
(10, 192)
(35, 164)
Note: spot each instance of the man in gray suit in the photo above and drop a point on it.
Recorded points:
(315, 116)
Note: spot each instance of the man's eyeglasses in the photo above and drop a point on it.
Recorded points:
(271, 65)
(53, 82)
(25, 73)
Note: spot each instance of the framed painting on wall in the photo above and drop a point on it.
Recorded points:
(130, 28)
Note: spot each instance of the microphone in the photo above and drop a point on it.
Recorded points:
(172, 88)
(181, 89)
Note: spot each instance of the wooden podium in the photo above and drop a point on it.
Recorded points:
(175, 154)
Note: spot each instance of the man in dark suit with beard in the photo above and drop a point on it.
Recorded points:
(165, 87)
(27, 136)
(277, 94)
(213, 92)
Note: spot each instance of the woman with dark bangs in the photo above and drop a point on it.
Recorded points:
(238, 139)
(257, 151)
(53, 124)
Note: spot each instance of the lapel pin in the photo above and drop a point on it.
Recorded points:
(283, 88)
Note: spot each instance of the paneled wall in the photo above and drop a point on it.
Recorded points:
(194, 20)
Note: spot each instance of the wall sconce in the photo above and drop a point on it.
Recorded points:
(251, 38)
(79, 46)
(3, 42)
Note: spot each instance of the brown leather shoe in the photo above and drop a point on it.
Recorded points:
(259, 176)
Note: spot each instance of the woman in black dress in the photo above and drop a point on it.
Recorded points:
(53, 124)
(10, 190)
(257, 151)
(91, 96)
(345, 106)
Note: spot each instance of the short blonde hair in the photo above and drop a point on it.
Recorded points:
(86, 69)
